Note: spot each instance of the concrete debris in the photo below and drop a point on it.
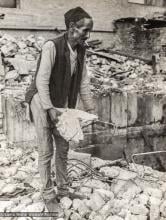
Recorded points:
(66, 203)
(127, 198)
(86, 191)
(106, 210)
(83, 209)
(105, 194)
(19, 57)
(75, 216)
(96, 202)
(114, 218)
(157, 193)
(115, 74)
(111, 172)
(8, 189)
(127, 75)
(154, 212)
(139, 209)
(22, 65)
(13, 74)
(163, 209)
(35, 207)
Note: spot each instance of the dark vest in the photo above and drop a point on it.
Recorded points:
(62, 86)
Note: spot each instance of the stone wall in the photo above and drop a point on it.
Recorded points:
(50, 13)
(133, 39)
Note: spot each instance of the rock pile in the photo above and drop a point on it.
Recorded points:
(128, 197)
(19, 57)
(113, 72)
(124, 195)
(122, 73)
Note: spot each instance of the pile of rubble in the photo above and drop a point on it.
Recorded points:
(108, 71)
(19, 57)
(113, 191)
(121, 73)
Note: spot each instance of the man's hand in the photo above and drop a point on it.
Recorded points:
(54, 114)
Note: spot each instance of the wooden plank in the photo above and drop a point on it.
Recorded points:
(105, 55)
(131, 56)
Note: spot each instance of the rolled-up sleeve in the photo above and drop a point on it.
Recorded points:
(85, 92)
(43, 77)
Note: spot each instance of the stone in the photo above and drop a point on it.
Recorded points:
(154, 192)
(118, 204)
(106, 210)
(9, 49)
(105, 194)
(111, 172)
(2, 185)
(126, 175)
(5, 204)
(13, 74)
(139, 209)
(163, 187)
(36, 183)
(19, 208)
(97, 184)
(66, 203)
(130, 192)
(27, 201)
(9, 38)
(154, 212)
(117, 186)
(76, 204)
(81, 207)
(85, 191)
(142, 199)
(97, 162)
(123, 213)
(9, 189)
(21, 175)
(36, 196)
(21, 44)
(96, 202)
(68, 213)
(22, 66)
(154, 201)
(35, 207)
(136, 217)
(11, 171)
(98, 217)
(114, 217)
(92, 215)
(83, 210)
(75, 216)
(163, 209)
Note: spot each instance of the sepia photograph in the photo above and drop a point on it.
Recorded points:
(83, 110)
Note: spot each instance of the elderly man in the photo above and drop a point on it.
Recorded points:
(60, 78)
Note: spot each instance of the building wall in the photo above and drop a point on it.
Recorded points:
(41, 17)
(49, 14)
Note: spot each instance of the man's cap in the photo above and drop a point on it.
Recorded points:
(74, 15)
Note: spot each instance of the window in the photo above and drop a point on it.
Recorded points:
(9, 3)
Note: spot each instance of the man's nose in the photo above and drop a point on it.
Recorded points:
(87, 35)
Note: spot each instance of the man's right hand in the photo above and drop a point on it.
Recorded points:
(54, 114)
